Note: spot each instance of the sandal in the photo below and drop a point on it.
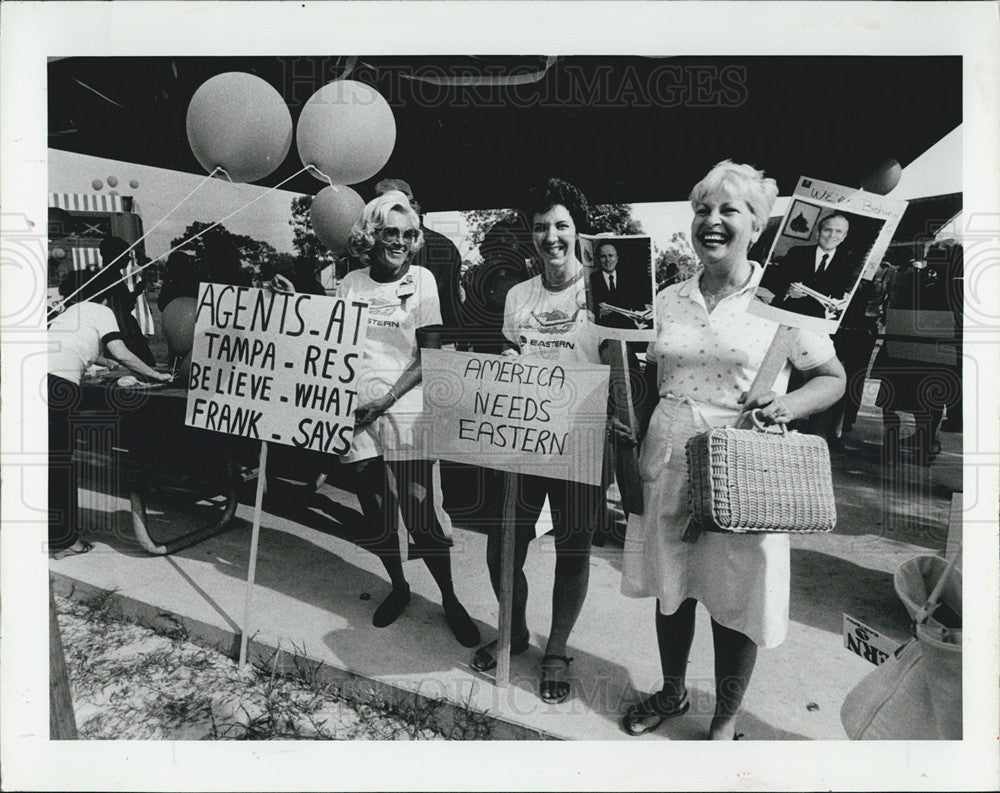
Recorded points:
(635, 721)
(555, 685)
(77, 548)
(485, 658)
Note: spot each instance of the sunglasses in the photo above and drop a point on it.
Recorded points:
(389, 234)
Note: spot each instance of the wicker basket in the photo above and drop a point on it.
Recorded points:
(752, 480)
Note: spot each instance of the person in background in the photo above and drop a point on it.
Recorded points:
(120, 298)
(76, 339)
(180, 279)
(705, 357)
(546, 317)
(403, 316)
(221, 262)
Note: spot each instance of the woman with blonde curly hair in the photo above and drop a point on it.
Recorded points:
(404, 315)
(706, 355)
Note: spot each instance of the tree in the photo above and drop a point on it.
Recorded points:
(255, 255)
(479, 221)
(604, 218)
(614, 219)
(307, 245)
(675, 262)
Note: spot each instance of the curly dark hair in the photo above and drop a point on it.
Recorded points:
(553, 192)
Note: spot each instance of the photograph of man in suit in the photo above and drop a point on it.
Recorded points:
(611, 288)
(827, 268)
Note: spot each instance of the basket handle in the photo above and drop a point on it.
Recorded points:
(773, 429)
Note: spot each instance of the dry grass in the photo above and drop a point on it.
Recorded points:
(130, 682)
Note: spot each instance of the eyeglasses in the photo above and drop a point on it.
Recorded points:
(390, 234)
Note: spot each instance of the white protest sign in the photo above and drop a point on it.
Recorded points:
(867, 642)
(800, 287)
(519, 414)
(276, 367)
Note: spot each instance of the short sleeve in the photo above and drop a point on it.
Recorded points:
(810, 350)
(509, 331)
(427, 310)
(106, 324)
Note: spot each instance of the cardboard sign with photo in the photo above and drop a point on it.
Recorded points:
(830, 236)
(620, 284)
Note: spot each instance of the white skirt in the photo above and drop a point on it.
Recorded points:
(742, 579)
(401, 433)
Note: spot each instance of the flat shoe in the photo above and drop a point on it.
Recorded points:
(390, 608)
(635, 719)
(79, 547)
(461, 625)
(485, 658)
(554, 686)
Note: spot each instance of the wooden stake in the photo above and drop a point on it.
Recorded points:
(252, 571)
(506, 595)
(774, 361)
(62, 721)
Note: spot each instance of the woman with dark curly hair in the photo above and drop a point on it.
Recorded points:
(404, 314)
(551, 307)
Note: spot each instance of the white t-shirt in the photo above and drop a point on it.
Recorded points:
(396, 310)
(75, 338)
(554, 325)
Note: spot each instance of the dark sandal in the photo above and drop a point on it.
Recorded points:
(485, 658)
(635, 720)
(72, 550)
(554, 686)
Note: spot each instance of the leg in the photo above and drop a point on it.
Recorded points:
(575, 509)
(735, 656)
(379, 509)
(413, 483)
(531, 496)
(574, 515)
(674, 635)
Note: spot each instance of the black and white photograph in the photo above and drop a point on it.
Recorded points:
(368, 389)
(619, 279)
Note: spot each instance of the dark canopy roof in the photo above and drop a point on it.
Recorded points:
(472, 132)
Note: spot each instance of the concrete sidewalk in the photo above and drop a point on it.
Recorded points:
(316, 592)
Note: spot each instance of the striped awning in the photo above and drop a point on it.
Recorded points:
(86, 202)
(85, 257)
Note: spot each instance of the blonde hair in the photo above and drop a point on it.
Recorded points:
(744, 181)
(375, 216)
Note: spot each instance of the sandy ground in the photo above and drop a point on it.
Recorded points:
(129, 682)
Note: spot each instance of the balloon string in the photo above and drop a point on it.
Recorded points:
(144, 235)
(61, 307)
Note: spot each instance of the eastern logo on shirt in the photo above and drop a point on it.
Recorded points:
(382, 308)
(555, 321)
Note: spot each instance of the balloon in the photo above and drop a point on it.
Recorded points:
(134, 184)
(335, 210)
(112, 181)
(239, 122)
(183, 371)
(97, 184)
(883, 178)
(346, 132)
(57, 253)
(178, 325)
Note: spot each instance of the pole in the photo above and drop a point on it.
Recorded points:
(506, 595)
(62, 721)
(774, 361)
(613, 353)
(255, 536)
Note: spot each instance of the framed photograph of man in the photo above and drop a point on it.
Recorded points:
(620, 284)
(827, 238)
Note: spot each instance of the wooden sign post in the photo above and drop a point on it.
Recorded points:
(614, 354)
(252, 567)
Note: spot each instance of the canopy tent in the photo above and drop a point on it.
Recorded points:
(472, 132)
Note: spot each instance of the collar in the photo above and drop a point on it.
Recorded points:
(829, 255)
(691, 290)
